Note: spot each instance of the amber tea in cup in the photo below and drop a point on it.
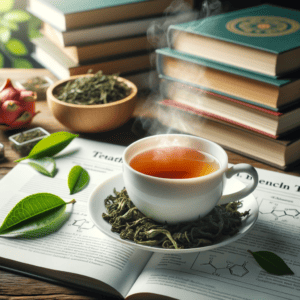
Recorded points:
(174, 163)
(177, 178)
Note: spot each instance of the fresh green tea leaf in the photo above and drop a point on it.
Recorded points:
(50, 145)
(43, 224)
(271, 263)
(78, 179)
(45, 165)
(31, 209)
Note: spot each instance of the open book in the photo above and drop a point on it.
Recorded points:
(79, 254)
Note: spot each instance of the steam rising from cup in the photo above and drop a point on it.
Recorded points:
(178, 12)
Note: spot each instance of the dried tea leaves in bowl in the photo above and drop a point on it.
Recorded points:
(96, 89)
(131, 224)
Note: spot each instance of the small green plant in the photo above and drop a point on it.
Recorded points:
(17, 27)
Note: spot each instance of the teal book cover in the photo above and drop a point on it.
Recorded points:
(220, 66)
(75, 6)
(265, 27)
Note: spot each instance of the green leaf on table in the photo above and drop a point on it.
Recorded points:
(271, 263)
(50, 145)
(78, 179)
(45, 166)
(35, 216)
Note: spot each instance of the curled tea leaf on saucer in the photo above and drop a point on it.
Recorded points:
(51, 145)
(271, 263)
(131, 224)
(45, 166)
(78, 179)
(35, 216)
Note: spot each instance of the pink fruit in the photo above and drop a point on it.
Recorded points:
(10, 106)
(17, 106)
(22, 120)
(11, 111)
(28, 96)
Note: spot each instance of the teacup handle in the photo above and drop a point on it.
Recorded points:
(240, 168)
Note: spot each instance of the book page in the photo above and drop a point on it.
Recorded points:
(230, 272)
(78, 247)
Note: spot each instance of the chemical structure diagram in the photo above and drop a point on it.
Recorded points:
(285, 212)
(82, 224)
(233, 269)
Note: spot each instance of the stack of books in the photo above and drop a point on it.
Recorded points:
(234, 78)
(111, 36)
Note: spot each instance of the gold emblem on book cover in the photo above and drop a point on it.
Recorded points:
(263, 26)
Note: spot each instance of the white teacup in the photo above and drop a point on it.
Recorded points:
(181, 200)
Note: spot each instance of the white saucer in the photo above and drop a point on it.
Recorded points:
(96, 207)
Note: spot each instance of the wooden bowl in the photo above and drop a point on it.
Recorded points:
(92, 118)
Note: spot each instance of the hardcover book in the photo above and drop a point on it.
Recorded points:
(107, 32)
(91, 51)
(239, 113)
(264, 39)
(71, 14)
(62, 66)
(281, 153)
(229, 81)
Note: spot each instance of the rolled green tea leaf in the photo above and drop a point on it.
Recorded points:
(78, 179)
(271, 263)
(131, 224)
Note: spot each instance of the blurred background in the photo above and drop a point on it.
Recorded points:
(17, 26)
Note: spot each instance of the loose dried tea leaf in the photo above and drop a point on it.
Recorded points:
(29, 135)
(271, 263)
(131, 224)
(34, 83)
(96, 89)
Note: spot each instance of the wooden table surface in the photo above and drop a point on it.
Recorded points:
(14, 286)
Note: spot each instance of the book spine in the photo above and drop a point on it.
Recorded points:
(187, 108)
(199, 91)
(256, 104)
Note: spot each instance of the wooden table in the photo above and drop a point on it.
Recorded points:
(14, 286)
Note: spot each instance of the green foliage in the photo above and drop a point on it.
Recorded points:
(21, 63)
(6, 5)
(271, 263)
(16, 47)
(78, 179)
(35, 216)
(11, 44)
(45, 165)
(1, 60)
(50, 145)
